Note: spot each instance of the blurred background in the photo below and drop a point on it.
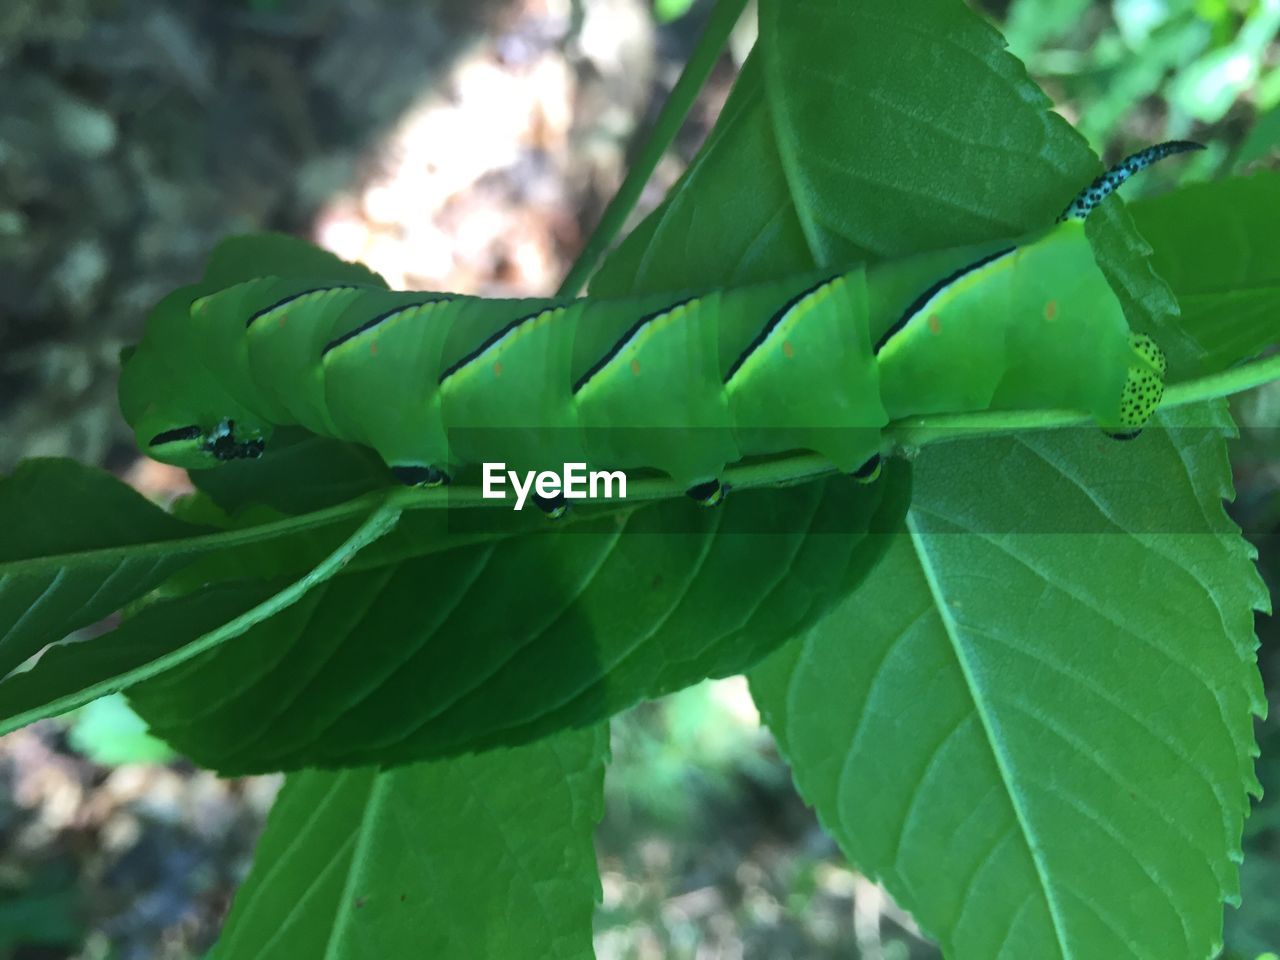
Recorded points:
(470, 147)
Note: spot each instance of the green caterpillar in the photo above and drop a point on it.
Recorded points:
(684, 385)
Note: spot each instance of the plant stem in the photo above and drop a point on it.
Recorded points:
(670, 120)
(1234, 380)
(918, 431)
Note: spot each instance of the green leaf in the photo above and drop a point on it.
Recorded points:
(1148, 303)
(77, 545)
(175, 631)
(959, 150)
(854, 184)
(1216, 245)
(486, 856)
(166, 634)
(708, 230)
(1034, 722)
(80, 544)
(502, 643)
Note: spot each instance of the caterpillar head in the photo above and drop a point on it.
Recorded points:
(193, 447)
(180, 412)
(1143, 387)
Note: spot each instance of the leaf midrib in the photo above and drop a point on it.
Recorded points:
(998, 750)
(359, 860)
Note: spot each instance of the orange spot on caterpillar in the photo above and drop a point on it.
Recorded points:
(635, 368)
(373, 349)
(497, 368)
(281, 320)
(788, 349)
(935, 325)
(1051, 309)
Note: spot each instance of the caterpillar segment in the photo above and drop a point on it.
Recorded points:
(682, 385)
(819, 336)
(1027, 338)
(379, 388)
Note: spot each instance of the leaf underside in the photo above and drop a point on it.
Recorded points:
(485, 856)
(507, 641)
